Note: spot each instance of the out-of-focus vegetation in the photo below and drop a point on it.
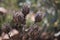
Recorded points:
(30, 19)
(35, 5)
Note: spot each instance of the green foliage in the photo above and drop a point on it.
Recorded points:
(21, 0)
(9, 17)
(9, 4)
(29, 22)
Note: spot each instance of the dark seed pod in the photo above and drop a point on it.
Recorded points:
(6, 28)
(18, 21)
(18, 17)
(25, 10)
(38, 18)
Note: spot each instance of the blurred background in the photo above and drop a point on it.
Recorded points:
(49, 9)
(35, 5)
